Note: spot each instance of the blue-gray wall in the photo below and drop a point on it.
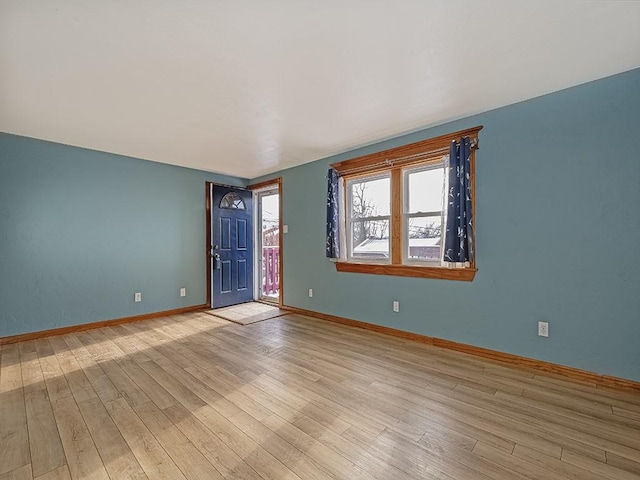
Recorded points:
(558, 182)
(81, 231)
(558, 236)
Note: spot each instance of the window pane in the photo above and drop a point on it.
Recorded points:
(425, 190)
(424, 238)
(232, 200)
(371, 198)
(370, 239)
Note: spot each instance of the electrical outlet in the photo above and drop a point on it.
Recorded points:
(543, 329)
(137, 297)
(396, 306)
(183, 292)
(311, 292)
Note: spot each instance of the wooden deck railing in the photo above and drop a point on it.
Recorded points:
(271, 270)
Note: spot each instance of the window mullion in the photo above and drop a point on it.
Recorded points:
(396, 216)
(369, 219)
(423, 214)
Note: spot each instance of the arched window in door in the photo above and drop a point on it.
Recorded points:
(232, 200)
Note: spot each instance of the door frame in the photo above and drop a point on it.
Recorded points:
(207, 247)
(275, 184)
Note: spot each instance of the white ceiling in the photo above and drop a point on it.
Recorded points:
(251, 87)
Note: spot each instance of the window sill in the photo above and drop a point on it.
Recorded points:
(442, 273)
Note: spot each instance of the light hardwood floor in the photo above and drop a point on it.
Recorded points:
(193, 396)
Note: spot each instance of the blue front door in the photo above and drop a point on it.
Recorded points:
(232, 246)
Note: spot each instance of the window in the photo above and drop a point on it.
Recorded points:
(369, 217)
(233, 201)
(394, 210)
(422, 217)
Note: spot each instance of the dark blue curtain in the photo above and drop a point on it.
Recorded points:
(459, 227)
(333, 215)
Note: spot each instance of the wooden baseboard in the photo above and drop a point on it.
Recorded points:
(23, 337)
(598, 379)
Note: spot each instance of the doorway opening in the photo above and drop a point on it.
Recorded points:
(268, 244)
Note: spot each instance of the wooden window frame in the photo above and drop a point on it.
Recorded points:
(394, 161)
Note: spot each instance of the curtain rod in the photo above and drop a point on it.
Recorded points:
(415, 156)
